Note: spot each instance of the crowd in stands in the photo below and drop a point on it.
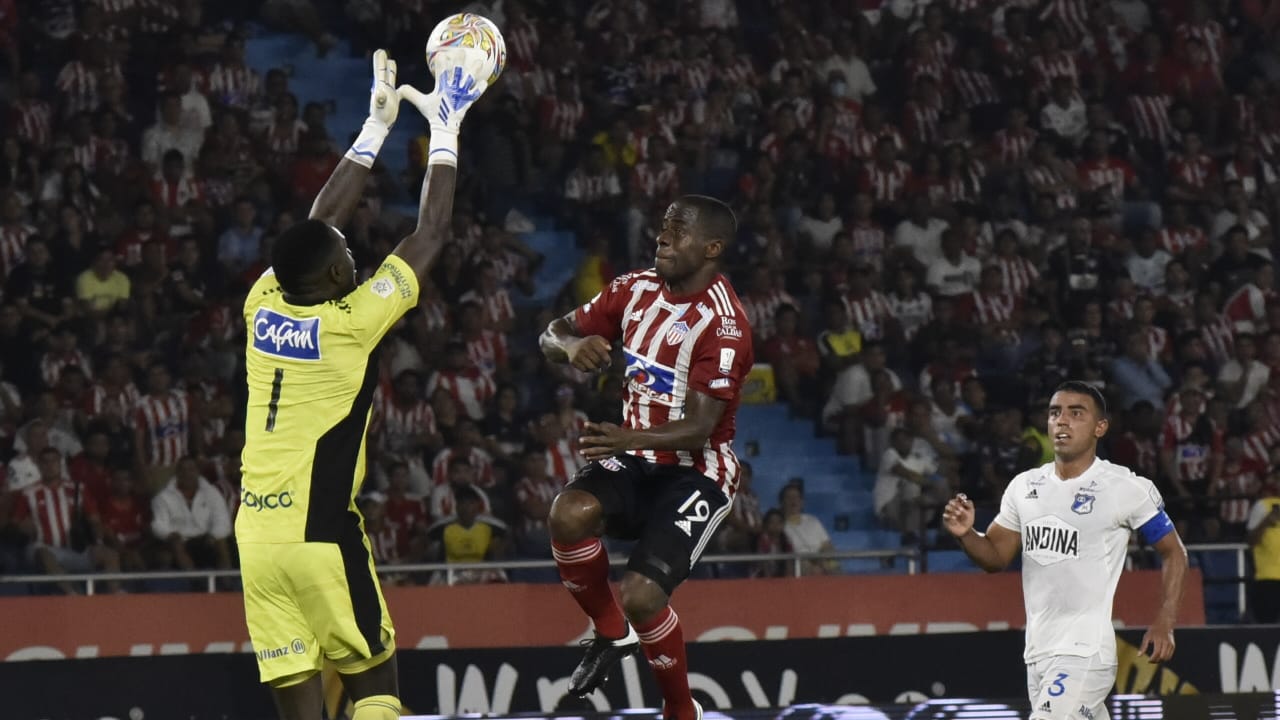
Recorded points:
(946, 208)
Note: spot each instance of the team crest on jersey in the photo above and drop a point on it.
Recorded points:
(612, 464)
(288, 337)
(677, 332)
(1083, 504)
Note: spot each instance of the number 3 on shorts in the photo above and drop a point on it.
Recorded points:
(1056, 688)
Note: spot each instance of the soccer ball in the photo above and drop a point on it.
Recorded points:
(470, 41)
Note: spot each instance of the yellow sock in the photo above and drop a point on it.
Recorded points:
(377, 707)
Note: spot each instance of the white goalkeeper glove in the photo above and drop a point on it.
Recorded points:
(444, 107)
(384, 106)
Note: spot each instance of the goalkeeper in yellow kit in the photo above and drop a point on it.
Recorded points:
(310, 591)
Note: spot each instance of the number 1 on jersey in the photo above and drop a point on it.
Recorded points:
(274, 405)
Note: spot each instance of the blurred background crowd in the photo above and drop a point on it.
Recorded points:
(946, 208)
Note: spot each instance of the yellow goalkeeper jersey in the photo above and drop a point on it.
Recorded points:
(312, 373)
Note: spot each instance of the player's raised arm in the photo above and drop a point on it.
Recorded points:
(562, 342)
(341, 193)
(456, 90)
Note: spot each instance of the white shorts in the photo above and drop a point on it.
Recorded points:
(1066, 687)
(70, 560)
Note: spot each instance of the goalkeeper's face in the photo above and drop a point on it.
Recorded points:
(342, 265)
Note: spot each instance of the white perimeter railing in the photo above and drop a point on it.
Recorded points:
(916, 562)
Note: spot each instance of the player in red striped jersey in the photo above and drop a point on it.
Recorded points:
(668, 475)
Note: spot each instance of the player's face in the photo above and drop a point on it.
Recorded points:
(344, 264)
(1074, 424)
(680, 250)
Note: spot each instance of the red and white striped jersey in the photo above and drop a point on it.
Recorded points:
(885, 185)
(1194, 170)
(1246, 309)
(385, 543)
(1176, 241)
(32, 118)
(1048, 67)
(991, 308)
(965, 185)
(974, 87)
(696, 75)
(544, 489)
(1042, 176)
(1070, 16)
(470, 388)
(164, 421)
(1220, 338)
(175, 195)
(1108, 174)
(868, 313)
(738, 73)
(560, 118)
(52, 511)
(78, 84)
(398, 427)
(920, 120)
(233, 85)
(656, 183)
(13, 246)
(51, 365)
(126, 399)
(435, 314)
(1257, 444)
(1209, 33)
(522, 44)
(654, 69)
(1237, 485)
(563, 461)
(1149, 116)
(478, 459)
(496, 306)
(1017, 272)
(1013, 147)
(673, 117)
(675, 345)
(487, 350)
(1191, 457)
(760, 310)
(864, 140)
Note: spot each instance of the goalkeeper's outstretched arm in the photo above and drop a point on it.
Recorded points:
(455, 92)
(341, 193)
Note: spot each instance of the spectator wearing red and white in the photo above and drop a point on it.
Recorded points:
(62, 353)
(125, 522)
(113, 155)
(1243, 377)
(1190, 453)
(886, 178)
(661, 61)
(1193, 173)
(1260, 433)
(831, 140)
(572, 420)
(734, 69)
(1011, 145)
(1215, 330)
(78, 80)
(535, 490)
(974, 87)
(1017, 273)
(1148, 112)
(190, 517)
(1255, 175)
(30, 116)
(470, 388)
(561, 114)
(783, 127)
(283, 136)
(521, 34)
(872, 130)
(143, 230)
(161, 429)
(486, 349)
(1052, 64)
(84, 146)
(954, 272)
(1201, 27)
(1246, 309)
(404, 427)
(494, 300)
(1048, 174)
(1064, 114)
(231, 82)
(174, 189)
(466, 447)
(795, 97)
(1235, 487)
(49, 514)
(923, 59)
(593, 185)
(407, 510)
(951, 364)
(867, 307)
(963, 176)
(89, 469)
(1159, 345)
(989, 307)
(867, 235)
(922, 111)
(794, 357)
(1180, 235)
(1267, 137)
(1197, 80)
(459, 473)
(385, 536)
(15, 231)
(169, 133)
(1105, 43)
(764, 295)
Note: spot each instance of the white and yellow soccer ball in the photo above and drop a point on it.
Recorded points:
(471, 42)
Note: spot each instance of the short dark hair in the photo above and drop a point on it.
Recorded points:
(301, 252)
(716, 220)
(1084, 388)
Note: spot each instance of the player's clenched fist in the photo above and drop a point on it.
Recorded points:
(957, 516)
(589, 353)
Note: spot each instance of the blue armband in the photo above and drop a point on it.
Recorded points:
(1155, 528)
